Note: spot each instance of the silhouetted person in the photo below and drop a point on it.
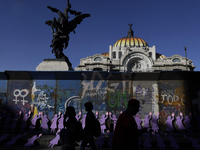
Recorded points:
(69, 135)
(126, 133)
(89, 127)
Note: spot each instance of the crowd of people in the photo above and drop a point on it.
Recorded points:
(127, 129)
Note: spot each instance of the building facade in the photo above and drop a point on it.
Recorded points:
(133, 54)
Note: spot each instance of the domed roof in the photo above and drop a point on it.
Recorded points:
(160, 56)
(130, 40)
(105, 54)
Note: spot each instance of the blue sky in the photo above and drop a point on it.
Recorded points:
(168, 24)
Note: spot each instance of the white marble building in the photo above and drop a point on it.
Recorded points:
(133, 54)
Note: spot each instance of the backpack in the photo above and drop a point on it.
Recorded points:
(78, 132)
(97, 128)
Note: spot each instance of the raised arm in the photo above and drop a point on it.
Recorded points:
(150, 115)
(106, 115)
(181, 114)
(158, 115)
(172, 116)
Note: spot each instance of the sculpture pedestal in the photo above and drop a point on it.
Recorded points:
(53, 65)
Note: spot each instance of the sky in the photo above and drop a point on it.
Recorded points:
(168, 24)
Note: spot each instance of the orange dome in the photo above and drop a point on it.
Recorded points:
(105, 54)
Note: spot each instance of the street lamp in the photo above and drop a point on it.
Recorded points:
(185, 48)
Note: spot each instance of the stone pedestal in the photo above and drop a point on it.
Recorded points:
(53, 65)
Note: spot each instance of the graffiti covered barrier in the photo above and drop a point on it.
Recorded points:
(51, 92)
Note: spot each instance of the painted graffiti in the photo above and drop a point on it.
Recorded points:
(95, 91)
(169, 97)
(139, 93)
(112, 93)
(123, 85)
(42, 101)
(34, 89)
(173, 98)
(89, 85)
(96, 95)
(146, 93)
(113, 86)
(73, 101)
(20, 93)
(119, 92)
(166, 111)
(114, 99)
(39, 99)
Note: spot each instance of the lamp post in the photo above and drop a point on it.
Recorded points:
(185, 48)
(119, 62)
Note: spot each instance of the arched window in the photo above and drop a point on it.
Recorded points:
(120, 55)
(150, 54)
(114, 55)
(98, 59)
(176, 60)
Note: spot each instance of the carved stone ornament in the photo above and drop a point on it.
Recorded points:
(137, 62)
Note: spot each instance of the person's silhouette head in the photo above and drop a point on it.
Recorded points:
(88, 106)
(70, 111)
(133, 106)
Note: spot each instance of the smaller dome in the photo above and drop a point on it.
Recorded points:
(105, 54)
(131, 42)
(160, 56)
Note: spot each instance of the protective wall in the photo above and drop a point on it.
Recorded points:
(52, 92)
